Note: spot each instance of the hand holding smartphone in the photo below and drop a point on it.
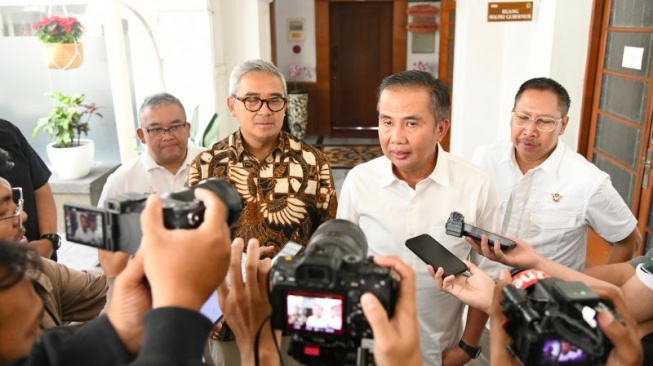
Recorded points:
(432, 252)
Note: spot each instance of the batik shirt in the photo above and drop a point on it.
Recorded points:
(285, 197)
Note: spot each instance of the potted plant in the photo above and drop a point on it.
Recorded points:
(297, 102)
(61, 38)
(70, 155)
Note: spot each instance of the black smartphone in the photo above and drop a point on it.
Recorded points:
(432, 252)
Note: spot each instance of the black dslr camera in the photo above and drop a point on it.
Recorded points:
(552, 322)
(118, 226)
(316, 296)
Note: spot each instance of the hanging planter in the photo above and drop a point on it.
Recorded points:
(64, 56)
(61, 38)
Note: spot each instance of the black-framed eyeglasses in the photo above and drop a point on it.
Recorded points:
(17, 197)
(159, 131)
(254, 104)
(544, 124)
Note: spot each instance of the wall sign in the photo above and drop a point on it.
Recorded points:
(510, 12)
(295, 29)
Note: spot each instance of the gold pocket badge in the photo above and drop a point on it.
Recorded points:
(556, 197)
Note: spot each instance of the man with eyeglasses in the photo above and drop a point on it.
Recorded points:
(32, 174)
(549, 194)
(68, 295)
(286, 185)
(161, 168)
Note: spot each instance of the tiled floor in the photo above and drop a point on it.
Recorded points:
(81, 257)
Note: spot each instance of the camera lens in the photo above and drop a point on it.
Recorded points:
(344, 234)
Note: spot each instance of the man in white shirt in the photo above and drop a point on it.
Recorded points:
(549, 194)
(83, 232)
(316, 321)
(412, 190)
(161, 168)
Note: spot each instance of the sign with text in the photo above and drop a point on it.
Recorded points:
(510, 12)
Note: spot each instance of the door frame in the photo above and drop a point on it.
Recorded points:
(641, 203)
(323, 54)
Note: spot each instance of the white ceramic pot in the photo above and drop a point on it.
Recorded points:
(72, 162)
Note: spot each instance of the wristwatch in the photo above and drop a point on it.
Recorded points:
(473, 352)
(54, 238)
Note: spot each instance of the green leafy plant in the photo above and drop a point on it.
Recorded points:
(206, 136)
(68, 119)
(58, 30)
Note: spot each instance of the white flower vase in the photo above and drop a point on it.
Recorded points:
(72, 162)
(298, 114)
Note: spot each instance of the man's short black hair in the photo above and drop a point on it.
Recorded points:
(438, 92)
(15, 260)
(546, 84)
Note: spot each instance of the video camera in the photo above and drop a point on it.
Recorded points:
(316, 296)
(552, 322)
(118, 226)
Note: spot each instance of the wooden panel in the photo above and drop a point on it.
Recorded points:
(361, 53)
(322, 16)
(599, 252)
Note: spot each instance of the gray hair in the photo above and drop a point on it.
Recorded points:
(159, 99)
(253, 66)
(440, 101)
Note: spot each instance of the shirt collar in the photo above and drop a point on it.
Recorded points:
(150, 164)
(439, 175)
(236, 141)
(550, 165)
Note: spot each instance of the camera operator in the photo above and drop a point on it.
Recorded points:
(474, 291)
(626, 346)
(153, 322)
(246, 307)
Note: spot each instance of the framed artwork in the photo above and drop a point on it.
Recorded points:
(295, 29)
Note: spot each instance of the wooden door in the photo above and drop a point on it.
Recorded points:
(619, 139)
(445, 58)
(361, 56)
(342, 125)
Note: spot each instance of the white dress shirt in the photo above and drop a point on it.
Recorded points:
(389, 212)
(143, 175)
(551, 206)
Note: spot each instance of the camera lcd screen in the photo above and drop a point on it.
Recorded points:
(84, 225)
(314, 312)
(561, 352)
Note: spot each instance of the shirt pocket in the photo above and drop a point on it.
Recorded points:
(547, 231)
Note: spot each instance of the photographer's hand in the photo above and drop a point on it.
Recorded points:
(246, 305)
(476, 290)
(184, 266)
(499, 338)
(627, 348)
(130, 301)
(396, 340)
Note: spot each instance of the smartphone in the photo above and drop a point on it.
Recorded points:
(432, 252)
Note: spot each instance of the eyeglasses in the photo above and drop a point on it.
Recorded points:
(544, 124)
(254, 104)
(158, 131)
(17, 195)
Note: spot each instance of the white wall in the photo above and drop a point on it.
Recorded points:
(189, 48)
(285, 9)
(491, 60)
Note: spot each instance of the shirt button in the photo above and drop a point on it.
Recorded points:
(268, 159)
